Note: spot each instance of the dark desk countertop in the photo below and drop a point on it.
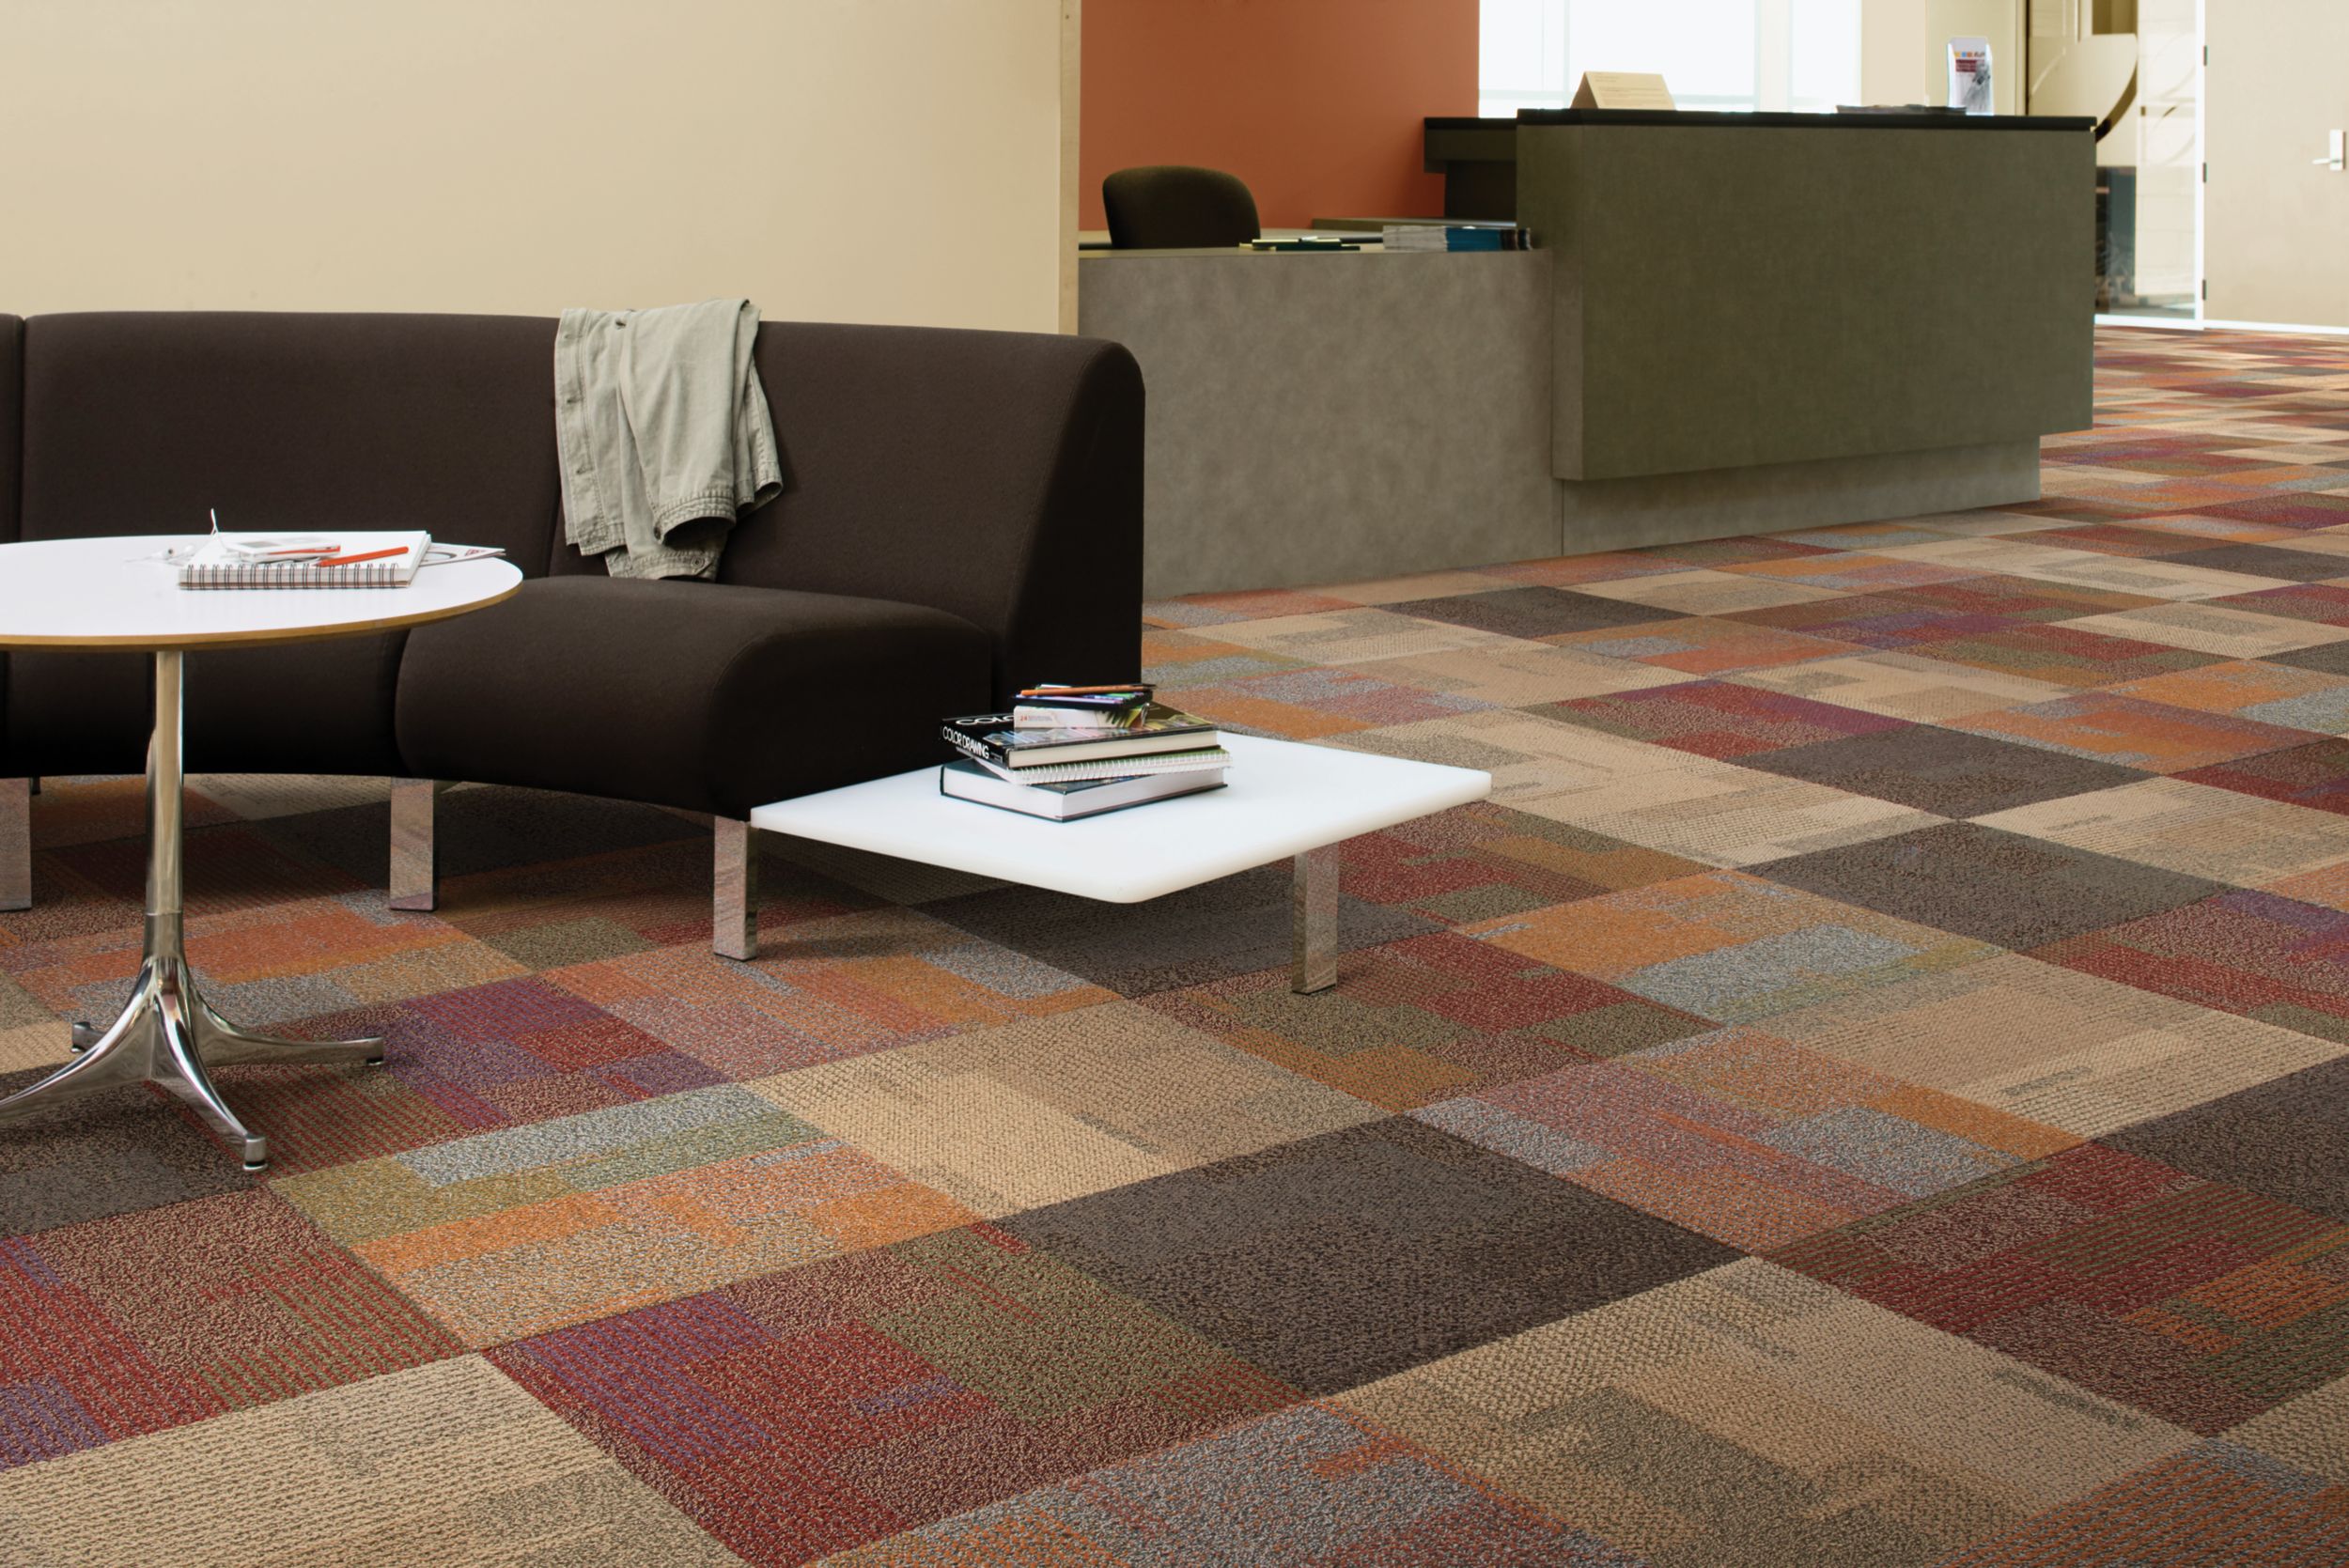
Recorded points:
(1772, 121)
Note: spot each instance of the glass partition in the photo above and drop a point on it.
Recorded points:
(2134, 67)
(1732, 54)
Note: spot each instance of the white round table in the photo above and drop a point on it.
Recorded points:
(114, 594)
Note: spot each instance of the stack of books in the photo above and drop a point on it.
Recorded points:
(1454, 237)
(1067, 752)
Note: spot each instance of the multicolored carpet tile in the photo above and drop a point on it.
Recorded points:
(1870, 1090)
(2203, 1303)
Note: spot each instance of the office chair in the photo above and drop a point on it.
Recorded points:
(1165, 206)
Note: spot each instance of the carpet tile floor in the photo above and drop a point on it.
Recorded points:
(1870, 1090)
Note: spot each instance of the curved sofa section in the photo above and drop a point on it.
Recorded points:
(962, 515)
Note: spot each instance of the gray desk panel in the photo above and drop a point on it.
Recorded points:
(1749, 295)
(1335, 418)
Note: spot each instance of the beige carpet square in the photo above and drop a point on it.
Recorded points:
(1723, 814)
(2154, 578)
(1661, 1423)
(2052, 1045)
(1519, 676)
(2008, 551)
(1015, 1118)
(1903, 686)
(2213, 628)
(1355, 636)
(449, 1466)
(2310, 1433)
(1709, 593)
(1530, 758)
(2192, 828)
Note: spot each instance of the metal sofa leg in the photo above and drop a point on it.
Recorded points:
(733, 908)
(16, 843)
(414, 881)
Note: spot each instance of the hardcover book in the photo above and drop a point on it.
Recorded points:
(1051, 708)
(995, 737)
(1072, 799)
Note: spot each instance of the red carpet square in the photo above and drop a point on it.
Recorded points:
(138, 1322)
(2198, 1302)
(821, 1408)
(1428, 1018)
(1485, 860)
(2256, 954)
(2314, 774)
(1715, 719)
(2218, 1503)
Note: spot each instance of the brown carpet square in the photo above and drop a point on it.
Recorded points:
(2332, 658)
(2294, 566)
(112, 1152)
(1362, 1252)
(1530, 612)
(2286, 1139)
(2019, 892)
(1946, 772)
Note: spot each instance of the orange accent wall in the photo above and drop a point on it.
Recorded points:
(1316, 103)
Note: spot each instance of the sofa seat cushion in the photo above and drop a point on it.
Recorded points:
(700, 695)
(306, 707)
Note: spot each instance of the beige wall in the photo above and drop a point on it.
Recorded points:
(847, 160)
(2276, 226)
(1892, 41)
(1903, 48)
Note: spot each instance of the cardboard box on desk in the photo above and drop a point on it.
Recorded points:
(1622, 89)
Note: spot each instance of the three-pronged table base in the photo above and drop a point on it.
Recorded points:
(168, 1035)
(116, 594)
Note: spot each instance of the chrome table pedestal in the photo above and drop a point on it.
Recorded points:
(168, 1032)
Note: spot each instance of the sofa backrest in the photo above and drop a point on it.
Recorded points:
(137, 422)
(995, 475)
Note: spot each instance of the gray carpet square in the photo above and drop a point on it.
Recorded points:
(1996, 887)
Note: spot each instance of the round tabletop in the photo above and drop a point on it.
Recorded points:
(116, 592)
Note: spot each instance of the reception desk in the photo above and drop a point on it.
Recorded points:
(1731, 323)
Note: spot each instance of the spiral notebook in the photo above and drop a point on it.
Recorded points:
(361, 560)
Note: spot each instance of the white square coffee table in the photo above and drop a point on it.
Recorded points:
(1280, 800)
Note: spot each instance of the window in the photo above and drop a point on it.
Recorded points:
(1801, 55)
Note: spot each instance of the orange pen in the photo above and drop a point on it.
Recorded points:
(369, 556)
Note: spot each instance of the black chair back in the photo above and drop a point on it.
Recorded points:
(1167, 206)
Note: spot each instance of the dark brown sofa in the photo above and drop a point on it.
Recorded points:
(962, 515)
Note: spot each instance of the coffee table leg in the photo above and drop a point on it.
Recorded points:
(1314, 920)
(168, 1032)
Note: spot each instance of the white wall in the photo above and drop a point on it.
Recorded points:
(849, 160)
(2277, 224)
